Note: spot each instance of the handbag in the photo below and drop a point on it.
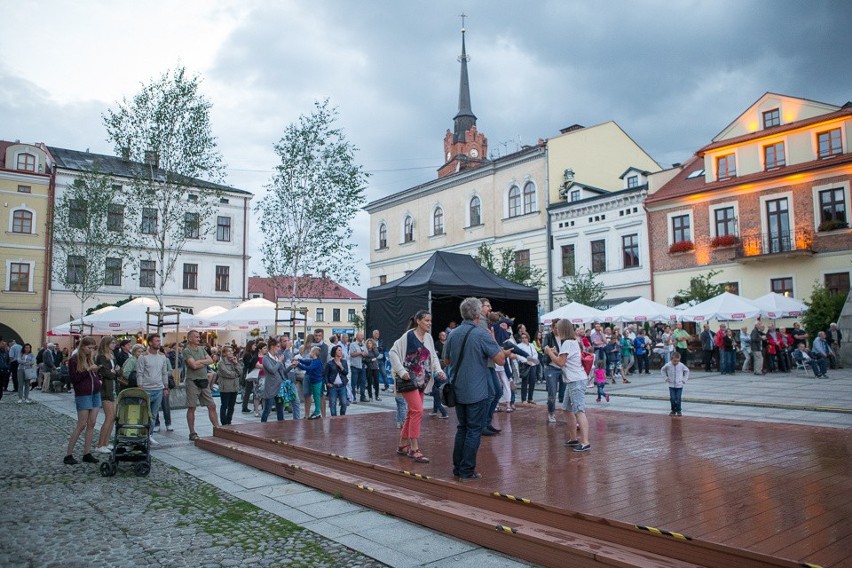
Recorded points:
(404, 385)
(253, 375)
(448, 391)
(587, 360)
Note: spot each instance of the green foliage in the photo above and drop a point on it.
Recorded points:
(83, 237)
(583, 288)
(823, 309)
(504, 266)
(701, 288)
(358, 322)
(105, 304)
(165, 133)
(316, 190)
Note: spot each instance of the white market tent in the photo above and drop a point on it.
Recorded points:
(776, 306)
(203, 320)
(251, 314)
(131, 317)
(575, 313)
(640, 309)
(725, 306)
(65, 328)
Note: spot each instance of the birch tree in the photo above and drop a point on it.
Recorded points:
(89, 235)
(165, 132)
(306, 214)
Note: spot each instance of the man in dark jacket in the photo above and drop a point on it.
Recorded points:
(757, 348)
(707, 338)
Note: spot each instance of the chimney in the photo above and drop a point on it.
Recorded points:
(152, 158)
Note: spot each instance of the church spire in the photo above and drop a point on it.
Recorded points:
(465, 118)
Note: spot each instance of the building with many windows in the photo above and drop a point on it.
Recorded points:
(766, 203)
(332, 307)
(26, 189)
(212, 268)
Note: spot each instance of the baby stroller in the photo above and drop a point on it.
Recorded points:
(132, 430)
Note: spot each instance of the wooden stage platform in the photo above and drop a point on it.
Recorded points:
(771, 489)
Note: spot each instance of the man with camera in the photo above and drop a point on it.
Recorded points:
(196, 361)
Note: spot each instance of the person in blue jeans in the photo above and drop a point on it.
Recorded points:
(438, 407)
(641, 345)
(676, 375)
(336, 377)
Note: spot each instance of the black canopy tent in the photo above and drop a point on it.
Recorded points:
(439, 286)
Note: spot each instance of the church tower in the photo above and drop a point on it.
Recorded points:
(464, 147)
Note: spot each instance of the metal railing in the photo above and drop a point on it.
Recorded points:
(774, 243)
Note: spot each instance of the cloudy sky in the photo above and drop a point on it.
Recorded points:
(672, 74)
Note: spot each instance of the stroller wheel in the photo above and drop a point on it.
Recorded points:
(142, 469)
(108, 469)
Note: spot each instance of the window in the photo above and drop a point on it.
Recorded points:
(335, 314)
(148, 273)
(320, 314)
(731, 287)
(832, 205)
(191, 225)
(522, 259)
(599, 256)
(829, 144)
(76, 268)
(22, 221)
(726, 166)
(725, 221)
(514, 201)
(383, 236)
(632, 181)
(26, 162)
(773, 155)
(837, 283)
(149, 221)
(223, 228)
(771, 118)
(529, 197)
(778, 223)
(630, 250)
(223, 278)
(408, 230)
(25, 189)
(475, 212)
(351, 315)
(78, 214)
(438, 221)
(680, 229)
(190, 277)
(112, 273)
(224, 200)
(568, 260)
(19, 276)
(575, 195)
(115, 217)
(783, 286)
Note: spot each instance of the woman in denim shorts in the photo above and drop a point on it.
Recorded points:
(83, 372)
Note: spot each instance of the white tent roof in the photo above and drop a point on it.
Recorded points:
(774, 305)
(640, 309)
(251, 314)
(203, 320)
(128, 318)
(573, 312)
(65, 328)
(725, 306)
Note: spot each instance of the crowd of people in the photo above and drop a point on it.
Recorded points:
(493, 366)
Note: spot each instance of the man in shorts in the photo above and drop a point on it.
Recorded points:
(196, 360)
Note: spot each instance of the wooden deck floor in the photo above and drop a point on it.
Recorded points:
(776, 489)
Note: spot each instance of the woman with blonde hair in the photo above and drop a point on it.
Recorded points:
(83, 373)
(570, 360)
(108, 372)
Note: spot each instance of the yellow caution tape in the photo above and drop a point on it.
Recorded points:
(809, 565)
(340, 457)
(660, 532)
(416, 475)
(512, 498)
(364, 487)
(505, 529)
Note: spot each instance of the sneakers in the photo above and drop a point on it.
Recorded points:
(169, 428)
(551, 418)
(89, 458)
(679, 414)
(69, 460)
(19, 401)
(28, 401)
(102, 450)
(314, 416)
(626, 382)
(672, 413)
(572, 443)
(475, 476)
(446, 417)
(156, 428)
(582, 447)
(607, 397)
(152, 441)
(598, 399)
(433, 414)
(378, 399)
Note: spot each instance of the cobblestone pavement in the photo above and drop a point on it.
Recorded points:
(53, 514)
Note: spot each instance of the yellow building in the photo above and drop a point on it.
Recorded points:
(26, 188)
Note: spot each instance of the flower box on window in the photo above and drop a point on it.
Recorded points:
(724, 241)
(832, 225)
(681, 246)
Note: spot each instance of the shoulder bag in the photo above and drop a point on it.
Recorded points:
(448, 392)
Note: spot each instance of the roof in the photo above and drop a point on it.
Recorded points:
(603, 195)
(634, 169)
(78, 160)
(4, 145)
(310, 287)
(681, 185)
(845, 110)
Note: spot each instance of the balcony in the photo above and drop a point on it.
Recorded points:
(754, 248)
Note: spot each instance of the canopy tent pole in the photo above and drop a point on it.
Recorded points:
(429, 302)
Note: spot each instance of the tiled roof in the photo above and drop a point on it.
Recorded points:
(846, 110)
(681, 185)
(78, 160)
(4, 145)
(310, 288)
